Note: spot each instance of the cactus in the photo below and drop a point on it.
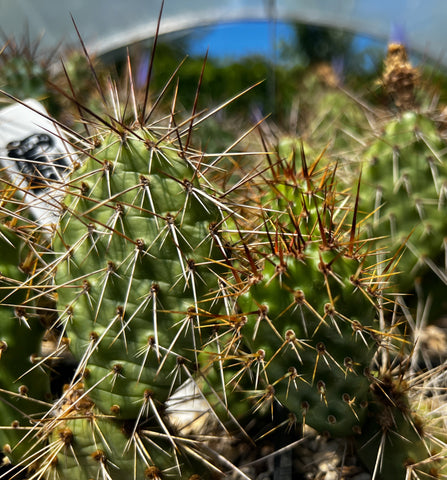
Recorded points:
(404, 435)
(25, 310)
(309, 324)
(135, 243)
(404, 183)
(24, 71)
(24, 384)
(331, 114)
(83, 443)
(159, 280)
(307, 317)
(28, 71)
(137, 263)
(402, 197)
(403, 187)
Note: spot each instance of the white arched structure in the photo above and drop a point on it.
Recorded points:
(109, 24)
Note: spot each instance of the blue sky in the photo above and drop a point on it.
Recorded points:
(237, 40)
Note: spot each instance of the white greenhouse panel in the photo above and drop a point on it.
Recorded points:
(109, 24)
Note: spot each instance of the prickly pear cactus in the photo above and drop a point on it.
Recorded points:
(306, 312)
(24, 384)
(309, 329)
(83, 443)
(312, 357)
(403, 437)
(404, 182)
(138, 262)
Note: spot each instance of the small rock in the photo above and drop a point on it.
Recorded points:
(332, 475)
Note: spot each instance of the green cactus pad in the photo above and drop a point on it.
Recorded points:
(25, 386)
(404, 182)
(81, 443)
(97, 447)
(313, 355)
(408, 428)
(306, 317)
(137, 266)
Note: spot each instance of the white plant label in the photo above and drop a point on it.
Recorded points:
(35, 159)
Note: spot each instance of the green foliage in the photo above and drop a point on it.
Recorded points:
(322, 44)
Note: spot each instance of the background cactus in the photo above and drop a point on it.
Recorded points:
(25, 70)
(403, 170)
(404, 183)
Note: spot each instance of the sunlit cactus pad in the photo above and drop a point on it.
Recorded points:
(135, 269)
